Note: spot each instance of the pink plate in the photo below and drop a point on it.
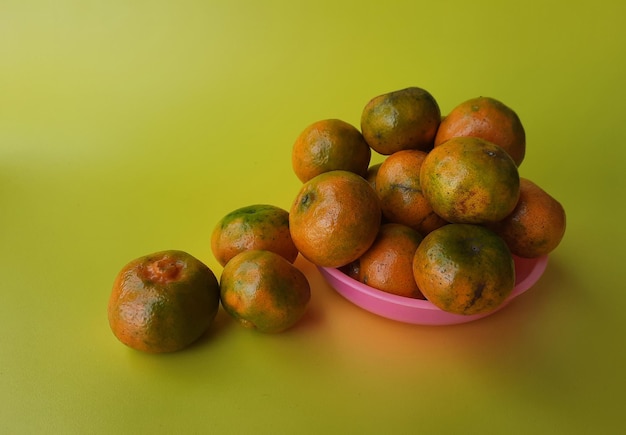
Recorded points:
(421, 312)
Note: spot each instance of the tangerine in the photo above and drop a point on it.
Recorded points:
(388, 263)
(258, 226)
(163, 302)
(328, 145)
(489, 119)
(334, 218)
(263, 291)
(537, 224)
(470, 180)
(399, 120)
(464, 269)
(400, 193)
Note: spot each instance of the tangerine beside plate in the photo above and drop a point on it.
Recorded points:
(421, 312)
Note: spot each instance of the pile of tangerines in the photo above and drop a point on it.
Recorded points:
(442, 218)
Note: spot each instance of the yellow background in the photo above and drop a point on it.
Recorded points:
(128, 127)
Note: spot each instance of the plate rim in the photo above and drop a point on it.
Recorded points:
(539, 265)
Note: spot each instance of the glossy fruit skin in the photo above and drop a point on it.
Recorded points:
(329, 144)
(256, 226)
(403, 119)
(334, 218)
(489, 119)
(537, 224)
(263, 291)
(163, 302)
(470, 180)
(399, 190)
(388, 264)
(464, 269)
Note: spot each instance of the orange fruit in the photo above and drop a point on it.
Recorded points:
(464, 269)
(489, 119)
(537, 224)
(263, 291)
(258, 226)
(470, 180)
(400, 120)
(163, 302)
(334, 218)
(388, 263)
(401, 198)
(328, 145)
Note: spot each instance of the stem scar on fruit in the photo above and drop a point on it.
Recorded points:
(306, 200)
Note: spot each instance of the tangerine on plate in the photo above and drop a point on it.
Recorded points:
(388, 263)
(163, 302)
(400, 193)
(399, 120)
(489, 119)
(334, 218)
(470, 180)
(464, 269)
(263, 291)
(537, 224)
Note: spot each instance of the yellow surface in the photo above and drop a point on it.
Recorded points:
(128, 127)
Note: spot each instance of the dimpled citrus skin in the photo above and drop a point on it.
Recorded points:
(163, 302)
(328, 145)
(537, 224)
(489, 119)
(464, 269)
(388, 264)
(334, 218)
(263, 291)
(399, 120)
(470, 180)
(257, 226)
(401, 198)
